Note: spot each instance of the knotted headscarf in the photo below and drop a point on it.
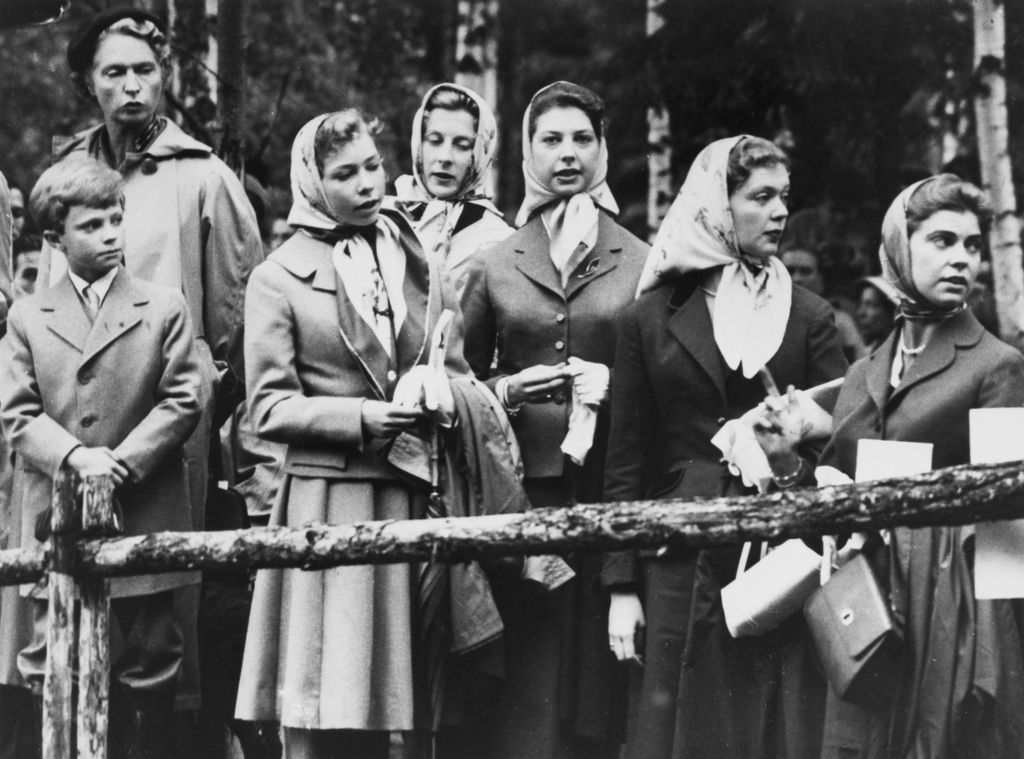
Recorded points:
(571, 220)
(437, 219)
(897, 263)
(751, 307)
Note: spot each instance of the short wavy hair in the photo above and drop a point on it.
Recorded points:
(947, 192)
(338, 130)
(78, 180)
(139, 29)
(752, 153)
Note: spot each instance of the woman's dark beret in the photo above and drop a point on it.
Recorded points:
(82, 46)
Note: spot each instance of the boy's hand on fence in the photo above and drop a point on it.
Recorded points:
(625, 620)
(97, 462)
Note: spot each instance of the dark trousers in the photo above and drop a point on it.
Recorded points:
(145, 645)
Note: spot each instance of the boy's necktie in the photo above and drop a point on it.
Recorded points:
(92, 299)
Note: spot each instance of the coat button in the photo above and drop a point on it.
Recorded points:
(559, 344)
(560, 318)
(392, 375)
(87, 421)
(85, 379)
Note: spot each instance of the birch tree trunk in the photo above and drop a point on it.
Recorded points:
(476, 54)
(996, 174)
(659, 134)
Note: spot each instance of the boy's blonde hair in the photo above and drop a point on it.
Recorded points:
(75, 181)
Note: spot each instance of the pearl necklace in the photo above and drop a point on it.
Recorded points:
(910, 351)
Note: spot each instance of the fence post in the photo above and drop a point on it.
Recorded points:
(58, 716)
(98, 520)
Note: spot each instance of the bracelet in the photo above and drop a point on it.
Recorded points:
(789, 480)
(512, 409)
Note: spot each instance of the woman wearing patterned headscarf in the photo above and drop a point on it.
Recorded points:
(448, 195)
(715, 306)
(958, 690)
(335, 317)
(546, 299)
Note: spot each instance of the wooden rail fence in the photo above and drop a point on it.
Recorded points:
(82, 554)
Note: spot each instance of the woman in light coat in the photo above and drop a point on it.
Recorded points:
(448, 195)
(334, 317)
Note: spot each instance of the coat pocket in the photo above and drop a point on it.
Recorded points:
(303, 461)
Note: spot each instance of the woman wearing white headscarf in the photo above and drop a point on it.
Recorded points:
(546, 301)
(958, 689)
(335, 317)
(715, 306)
(448, 195)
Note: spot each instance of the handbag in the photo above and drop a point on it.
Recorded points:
(858, 642)
(764, 596)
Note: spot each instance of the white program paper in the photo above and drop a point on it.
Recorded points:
(997, 435)
(882, 459)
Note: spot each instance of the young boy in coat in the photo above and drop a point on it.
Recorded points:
(99, 374)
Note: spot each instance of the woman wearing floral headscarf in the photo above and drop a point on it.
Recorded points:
(547, 299)
(448, 195)
(958, 691)
(715, 306)
(335, 317)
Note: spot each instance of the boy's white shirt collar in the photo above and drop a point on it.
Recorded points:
(101, 286)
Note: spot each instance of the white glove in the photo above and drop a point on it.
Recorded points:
(590, 381)
(427, 388)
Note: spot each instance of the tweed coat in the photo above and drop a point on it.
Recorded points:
(129, 381)
(515, 303)
(333, 649)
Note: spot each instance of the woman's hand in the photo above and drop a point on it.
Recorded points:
(538, 384)
(427, 388)
(781, 423)
(590, 381)
(625, 619)
(382, 419)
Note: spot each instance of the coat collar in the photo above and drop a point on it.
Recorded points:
(120, 312)
(961, 331)
(535, 262)
(689, 322)
(170, 143)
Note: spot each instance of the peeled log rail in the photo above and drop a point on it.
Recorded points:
(958, 495)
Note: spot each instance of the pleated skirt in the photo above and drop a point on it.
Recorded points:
(332, 649)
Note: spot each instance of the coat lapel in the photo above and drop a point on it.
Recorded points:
(962, 329)
(690, 324)
(879, 371)
(120, 312)
(308, 258)
(603, 259)
(68, 321)
(418, 299)
(533, 259)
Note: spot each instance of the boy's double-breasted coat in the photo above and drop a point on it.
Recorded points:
(128, 380)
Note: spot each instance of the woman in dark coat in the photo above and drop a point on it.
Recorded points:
(717, 306)
(546, 300)
(959, 688)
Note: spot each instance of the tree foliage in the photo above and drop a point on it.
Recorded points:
(856, 88)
